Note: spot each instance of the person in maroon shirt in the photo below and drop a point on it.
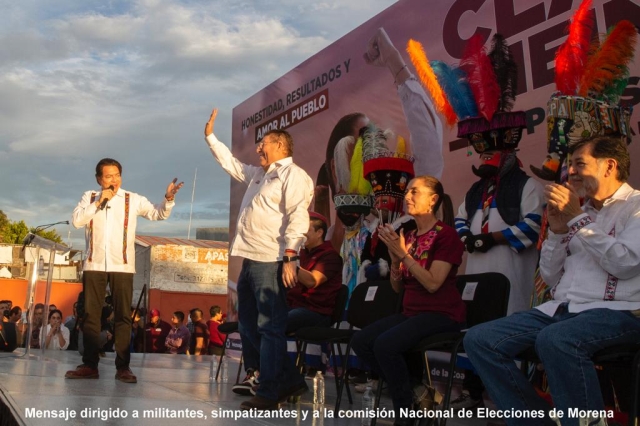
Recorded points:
(312, 299)
(424, 263)
(157, 331)
(216, 339)
(199, 343)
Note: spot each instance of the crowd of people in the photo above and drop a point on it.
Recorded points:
(153, 336)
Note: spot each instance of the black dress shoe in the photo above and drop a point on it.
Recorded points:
(295, 390)
(259, 403)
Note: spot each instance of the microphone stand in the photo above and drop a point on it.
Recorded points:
(53, 247)
(31, 235)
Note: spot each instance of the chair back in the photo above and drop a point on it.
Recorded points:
(371, 301)
(340, 305)
(228, 327)
(486, 296)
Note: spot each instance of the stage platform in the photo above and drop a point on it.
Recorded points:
(168, 385)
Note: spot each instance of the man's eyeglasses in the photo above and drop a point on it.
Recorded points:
(261, 144)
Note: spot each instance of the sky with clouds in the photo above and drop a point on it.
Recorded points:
(136, 80)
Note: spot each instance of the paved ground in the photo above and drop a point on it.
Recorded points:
(167, 386)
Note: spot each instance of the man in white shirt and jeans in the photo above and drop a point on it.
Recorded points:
(272, 224)
(592, 261)
(109, 218)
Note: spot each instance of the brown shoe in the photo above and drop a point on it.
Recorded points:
(82, 372)
(126, 375)
(259, 403)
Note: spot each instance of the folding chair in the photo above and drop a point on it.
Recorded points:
(370, 301)
(486, 297)
(226, 328)
(336, 318)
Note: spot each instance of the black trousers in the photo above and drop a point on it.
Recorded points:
(95, 287)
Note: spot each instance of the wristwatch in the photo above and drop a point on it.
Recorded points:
(286, 258)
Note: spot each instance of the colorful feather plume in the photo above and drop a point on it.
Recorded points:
(506, 72)
(615, 89)
(571, 57)
(481, 77)
(401, 146)
(343, 163)
(429, 80)
(359, 185)
(608, 64)
(374, 141)
(453, 82)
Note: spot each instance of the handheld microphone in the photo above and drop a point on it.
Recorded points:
(106, 200)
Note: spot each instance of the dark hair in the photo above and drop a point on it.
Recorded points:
(196, 310)
(38, 306)
(15, 310)
(319, 224)
(107, 162)
(214, 310)
(443, 199)
(284, 137)
(179, 315)
(54, 311)
(608, 147)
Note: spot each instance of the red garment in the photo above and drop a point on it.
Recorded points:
(156, 336)
(215, 337)
(321, 299)
(440, 243)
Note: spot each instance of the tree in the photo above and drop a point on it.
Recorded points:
(4, 222)
(14, 232)
(50, 234)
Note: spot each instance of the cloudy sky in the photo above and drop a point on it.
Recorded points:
(136, 80)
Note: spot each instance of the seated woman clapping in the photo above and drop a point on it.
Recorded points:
(57, 335)
(424, 263)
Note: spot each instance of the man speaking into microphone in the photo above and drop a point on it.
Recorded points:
(109, 217)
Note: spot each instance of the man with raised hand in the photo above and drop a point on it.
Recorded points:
(272, 223)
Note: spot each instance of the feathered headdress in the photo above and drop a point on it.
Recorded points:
(481, 77)
(369, 159)
(571, 56)
(481, 91)
(502, 129)
(353, 190)
(589, 82)
(388, 172)
(430, 81)
(607, 66)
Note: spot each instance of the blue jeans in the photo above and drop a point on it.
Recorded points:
(564, 343)
(384, 343)
(262, 321)
(303, 317)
